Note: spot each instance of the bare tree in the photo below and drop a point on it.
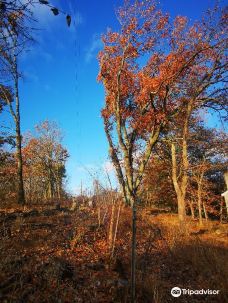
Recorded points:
(15, 36)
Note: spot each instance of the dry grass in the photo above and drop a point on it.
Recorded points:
(195, 258)
(50, 255)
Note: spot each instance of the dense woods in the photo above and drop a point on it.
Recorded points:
(164, 223)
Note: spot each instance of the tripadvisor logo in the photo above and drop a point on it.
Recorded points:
(177, 291)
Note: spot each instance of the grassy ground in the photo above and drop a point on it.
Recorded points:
(55, 255)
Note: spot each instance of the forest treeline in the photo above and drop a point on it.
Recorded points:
(207, 158)
(44, 171)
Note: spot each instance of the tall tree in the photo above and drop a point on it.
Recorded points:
(130, 108)
(142, 68)
(15, 35)
(12, 39)
(203, 87)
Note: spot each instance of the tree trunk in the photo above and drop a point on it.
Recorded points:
(221, 208)
(21, 193)
(178, 189)
(200, 205)
(133, 252)
(50, 194)
(50, 183)
(16, 116)
(59, 191)
(59, 183)
(192, 210)
(199, 194)
(181, 182)
(205, 211)
(30, 190)
(110, 235)
(181, 208)
(116, 228)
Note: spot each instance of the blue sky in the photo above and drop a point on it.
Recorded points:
(60, 73)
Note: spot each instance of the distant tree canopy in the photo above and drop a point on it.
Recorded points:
(44, 160)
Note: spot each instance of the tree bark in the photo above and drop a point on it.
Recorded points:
(178, 189)
(180, 183)
(200, 205)
(192, 210)
(50, 192)
(221, 208)
(205, 211)
(116, 228)
(21, 193)
(199, 195)
(50, 182)
(110, 235)
(133, 252)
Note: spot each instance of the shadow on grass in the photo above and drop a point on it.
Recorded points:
(187, 263)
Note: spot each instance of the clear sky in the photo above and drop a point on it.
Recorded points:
(60, 73)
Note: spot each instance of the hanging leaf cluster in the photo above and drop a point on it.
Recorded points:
(43, 2)
(56, 11)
